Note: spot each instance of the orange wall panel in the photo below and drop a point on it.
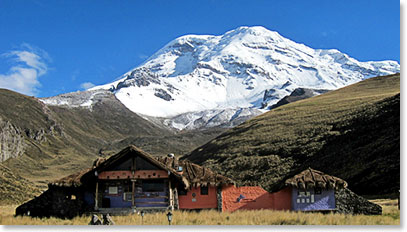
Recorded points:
(255, 197)
(115, 175)
(142, 174)
(201, 201)
(150, 174)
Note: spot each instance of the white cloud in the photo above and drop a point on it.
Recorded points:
(28, 64)
(87, 85)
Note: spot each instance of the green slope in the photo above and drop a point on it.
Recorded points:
(353, 133)
(59, 141)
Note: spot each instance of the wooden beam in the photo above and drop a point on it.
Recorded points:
(176, 200)
(96, 195)
(171, 195)
(133, 186)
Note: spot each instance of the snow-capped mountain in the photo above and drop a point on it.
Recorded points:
(198, 79)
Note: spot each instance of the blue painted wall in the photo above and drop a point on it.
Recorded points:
(311, 201)
(143, 199)
(118, 202)
(151, 199)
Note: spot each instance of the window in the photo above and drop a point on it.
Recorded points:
(113, 190)
(204, 190)
(153, 186)
(301, 193)
(317, 190)
(127, 196)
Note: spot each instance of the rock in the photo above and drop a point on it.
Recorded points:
(349, 202)
(95, 220)
(11, 141)
(299, 94)
(107, 220)
(163, 95)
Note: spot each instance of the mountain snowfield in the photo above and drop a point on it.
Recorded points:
(203, 81)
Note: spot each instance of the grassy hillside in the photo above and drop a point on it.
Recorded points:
(59, 141)
(13, 188)
(352, 133)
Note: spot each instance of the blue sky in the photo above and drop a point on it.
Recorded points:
(53, 47)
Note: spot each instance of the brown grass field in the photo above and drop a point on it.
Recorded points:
(391, 216)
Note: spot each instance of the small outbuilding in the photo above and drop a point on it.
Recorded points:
(314, 190)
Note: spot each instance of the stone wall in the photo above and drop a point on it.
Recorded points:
(350, 203)
(61, 202)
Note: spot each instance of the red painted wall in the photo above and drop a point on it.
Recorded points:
(282, 199)
(202, 201)
(255, 198)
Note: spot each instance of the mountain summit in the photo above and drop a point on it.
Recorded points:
(202, 80)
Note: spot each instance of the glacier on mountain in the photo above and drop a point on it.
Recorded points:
(196, 77)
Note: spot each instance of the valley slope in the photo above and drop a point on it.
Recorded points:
(40, 143)
(352, 133)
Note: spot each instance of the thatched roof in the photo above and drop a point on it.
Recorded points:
(311, 178)
(196, 175)
(73, 180)
(192, 174)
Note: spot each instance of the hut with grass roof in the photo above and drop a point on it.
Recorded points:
(129, 181)
(314, 190)
(309, 190)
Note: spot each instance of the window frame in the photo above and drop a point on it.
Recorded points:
(111, 189)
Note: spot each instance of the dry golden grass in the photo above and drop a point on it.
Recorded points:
(391, 216)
